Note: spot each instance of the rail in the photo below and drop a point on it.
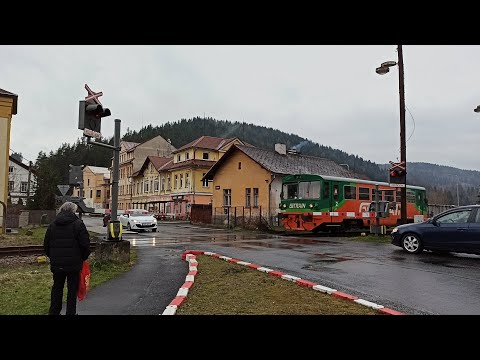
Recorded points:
(26, 250)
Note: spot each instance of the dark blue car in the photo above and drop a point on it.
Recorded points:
(454, 230)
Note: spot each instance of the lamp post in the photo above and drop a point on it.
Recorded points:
(382, 70)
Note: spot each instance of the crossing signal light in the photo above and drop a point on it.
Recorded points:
(90, 118)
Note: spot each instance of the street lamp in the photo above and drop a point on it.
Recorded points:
(382, 70)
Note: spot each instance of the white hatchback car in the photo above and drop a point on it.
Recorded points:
(138, 220)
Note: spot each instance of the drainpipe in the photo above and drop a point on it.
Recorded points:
(4, 220)
(269, 198)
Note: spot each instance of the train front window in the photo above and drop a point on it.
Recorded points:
(309, 190)
(290, 191)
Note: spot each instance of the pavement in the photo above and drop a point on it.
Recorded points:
(154, 287)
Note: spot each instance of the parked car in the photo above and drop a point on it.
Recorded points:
(454, 230)
(138, 220)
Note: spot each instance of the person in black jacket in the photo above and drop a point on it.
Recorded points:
(67, 244)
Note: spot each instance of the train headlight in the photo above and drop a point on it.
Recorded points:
(311, 206)
(284, 206)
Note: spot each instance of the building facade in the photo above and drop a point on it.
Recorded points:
(18, 181)
(250, 179)
(190, 163)
(96, 187)
(8, 108)
(132, 157)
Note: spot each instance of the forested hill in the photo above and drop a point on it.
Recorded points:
(185, 131)
(440, 181)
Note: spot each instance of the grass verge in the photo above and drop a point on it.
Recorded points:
(22, 239)
(25, 288)
(223, 288)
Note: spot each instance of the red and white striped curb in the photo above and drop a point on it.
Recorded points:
(190, 256)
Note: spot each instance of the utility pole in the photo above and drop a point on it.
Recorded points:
(403, 148)
(28, 184)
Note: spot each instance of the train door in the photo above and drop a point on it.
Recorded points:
(331, 191)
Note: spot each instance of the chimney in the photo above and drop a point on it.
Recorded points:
(281, 149)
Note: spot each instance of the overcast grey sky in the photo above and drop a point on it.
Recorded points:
(328, 94)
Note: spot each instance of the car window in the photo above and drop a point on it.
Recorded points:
(477, 219)
(458, 217)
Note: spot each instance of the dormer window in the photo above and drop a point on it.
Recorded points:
(187, 156)
(178, 157)
(205, 156)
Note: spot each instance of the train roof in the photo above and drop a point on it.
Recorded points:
(337, 178)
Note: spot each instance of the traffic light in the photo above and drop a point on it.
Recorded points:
(90, 118)
(397, 176)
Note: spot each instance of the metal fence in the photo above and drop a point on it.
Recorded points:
(241, 216)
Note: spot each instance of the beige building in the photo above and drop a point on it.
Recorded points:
(132, 157)
(96, 187)
(190, 163)
(250, 179)
(152, 186)
(8, 108)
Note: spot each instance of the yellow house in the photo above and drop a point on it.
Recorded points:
(190, 163)
(8, 108)
(96, 187)
(151, 186)
(248, 180)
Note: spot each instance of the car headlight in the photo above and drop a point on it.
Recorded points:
(395, 229)
(135, 221)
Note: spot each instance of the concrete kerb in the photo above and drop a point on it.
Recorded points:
(190, 257)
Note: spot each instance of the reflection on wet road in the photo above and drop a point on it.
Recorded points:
(427, 283)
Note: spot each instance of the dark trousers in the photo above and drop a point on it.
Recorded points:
(57, 292)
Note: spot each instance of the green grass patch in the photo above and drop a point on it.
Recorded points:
(36, 238)
(223, 288)
(25, 289)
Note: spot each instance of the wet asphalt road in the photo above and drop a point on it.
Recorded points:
(382, 273)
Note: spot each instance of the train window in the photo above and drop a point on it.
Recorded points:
(363, 193)
(398, 195)
(388, 195)
(410, 196)
(326, 190)
(309, 190)
(335, 192)
(290, 191)
(350, 192)
(374, 191)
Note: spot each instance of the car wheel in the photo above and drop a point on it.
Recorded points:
(411, 243)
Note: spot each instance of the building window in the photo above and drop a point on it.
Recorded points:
(88, 182)
(227, 197)
(178, 157)
(187, 156)
(10, 169)
(169, 184)
(99, 193)
(23, 186)
(145, 184)
(156, 184)
(181, 181)
(239, 165)
(205, 181)
(91, 194)
(255, 197)
(187, 181)
(108, 194)
(248, 202)
(205, 156)
(175, 183)
(163, 183)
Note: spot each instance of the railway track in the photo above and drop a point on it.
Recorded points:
(26, 250)
(331, 234)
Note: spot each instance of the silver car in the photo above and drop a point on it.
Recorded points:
(138, 221)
